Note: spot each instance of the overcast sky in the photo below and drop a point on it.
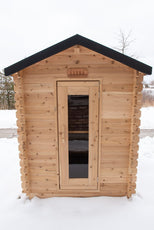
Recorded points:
(28, 26)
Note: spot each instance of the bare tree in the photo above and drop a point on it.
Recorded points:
(124, 42)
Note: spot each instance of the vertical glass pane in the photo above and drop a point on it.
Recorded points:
(78, 121)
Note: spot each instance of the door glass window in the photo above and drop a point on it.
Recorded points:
(78, 137)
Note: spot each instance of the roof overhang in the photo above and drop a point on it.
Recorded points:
(78, 40)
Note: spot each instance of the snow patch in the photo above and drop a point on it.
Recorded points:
(18, 212)
(147, 118)
(8, 119)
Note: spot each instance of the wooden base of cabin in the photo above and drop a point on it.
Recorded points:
(78, 103)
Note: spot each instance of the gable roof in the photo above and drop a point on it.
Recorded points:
(78, 40)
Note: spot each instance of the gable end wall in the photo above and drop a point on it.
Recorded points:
(36, 104)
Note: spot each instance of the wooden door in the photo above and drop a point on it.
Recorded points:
(78, 109)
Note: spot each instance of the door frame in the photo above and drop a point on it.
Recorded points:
(90, 188)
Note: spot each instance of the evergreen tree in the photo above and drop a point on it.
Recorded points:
(6, 92)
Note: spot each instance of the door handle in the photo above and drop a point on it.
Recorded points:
(63, 134)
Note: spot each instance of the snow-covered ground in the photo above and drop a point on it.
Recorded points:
(8, 118)
(18, 212)
(75, 213)
(147, 118)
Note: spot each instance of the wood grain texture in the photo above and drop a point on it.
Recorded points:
(80, 88)
(134, 138)
(119, 103)
(22, 138)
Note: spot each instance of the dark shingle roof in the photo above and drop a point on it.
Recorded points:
(78, 40)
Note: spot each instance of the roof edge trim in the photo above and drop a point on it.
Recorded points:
(78, 40)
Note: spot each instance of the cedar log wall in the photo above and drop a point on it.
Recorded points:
(36, 104)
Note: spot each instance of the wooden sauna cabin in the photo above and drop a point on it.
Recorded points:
(78, 109)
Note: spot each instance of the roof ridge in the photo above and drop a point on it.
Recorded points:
(78, 40)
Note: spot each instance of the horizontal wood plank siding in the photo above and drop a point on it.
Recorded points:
(40, 114)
